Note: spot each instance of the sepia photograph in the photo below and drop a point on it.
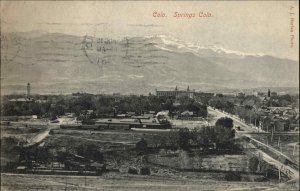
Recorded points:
(149, 95)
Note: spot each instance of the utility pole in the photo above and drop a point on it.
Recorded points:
(272, 137)
(259, 161)
(273, 129)
(256, 126)
(294, 149)
(66, 184)
(279, 175)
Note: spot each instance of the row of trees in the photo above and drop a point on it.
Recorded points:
(219, 137)
(188, 104)
(104, 104)
(101, 105)
(25, 108)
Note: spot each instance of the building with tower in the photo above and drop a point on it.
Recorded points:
(26, 98)
(28, 90)
(176, 93)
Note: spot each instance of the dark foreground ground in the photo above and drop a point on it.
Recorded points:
(124, 182)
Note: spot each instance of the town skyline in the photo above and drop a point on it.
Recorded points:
(149, 95)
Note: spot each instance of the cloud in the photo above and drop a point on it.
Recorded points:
(86, 24)
(144, 25)
(135, 76)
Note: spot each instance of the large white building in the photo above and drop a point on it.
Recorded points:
(176, 93)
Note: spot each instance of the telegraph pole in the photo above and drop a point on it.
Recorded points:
(272, 133)
(66, 184)
(294, 149)
(259, 161)
(279, 174)
(256, 125)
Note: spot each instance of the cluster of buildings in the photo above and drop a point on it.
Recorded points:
(283, 117)
(279, 119)
(256, 94)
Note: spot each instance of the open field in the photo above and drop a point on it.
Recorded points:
(119, 152)
(104, 138)
(188, 123)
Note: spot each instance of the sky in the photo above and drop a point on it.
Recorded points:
(251, 27)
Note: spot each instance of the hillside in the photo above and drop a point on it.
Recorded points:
(59, 63)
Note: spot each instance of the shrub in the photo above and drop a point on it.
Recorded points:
(184, 138)
(132, 170)
(253, 164)
(141, 146)
(173, 139)
(270, 173)
(261, 179)
(90, 151)
(145, 171)
(233, 176)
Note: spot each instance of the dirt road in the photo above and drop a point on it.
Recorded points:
(40, 136)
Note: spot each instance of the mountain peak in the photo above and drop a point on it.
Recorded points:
(172, 43)
(220, 49)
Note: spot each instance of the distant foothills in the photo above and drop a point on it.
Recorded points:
(57, 63)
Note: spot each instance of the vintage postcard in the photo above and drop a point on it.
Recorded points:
(149, 95)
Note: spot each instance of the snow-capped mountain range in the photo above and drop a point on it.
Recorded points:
(173, 44)
(60, 63)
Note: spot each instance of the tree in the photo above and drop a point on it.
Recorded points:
(233, 176)
(203, 137)
(168, 105)
(173, 139)
(145, 171)
(141, 146)
(184, 138)
(253, 164)
(225, 122)
(224, 132)
(56, 110)
(90, 151)
(196, 137)
(36, 109)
